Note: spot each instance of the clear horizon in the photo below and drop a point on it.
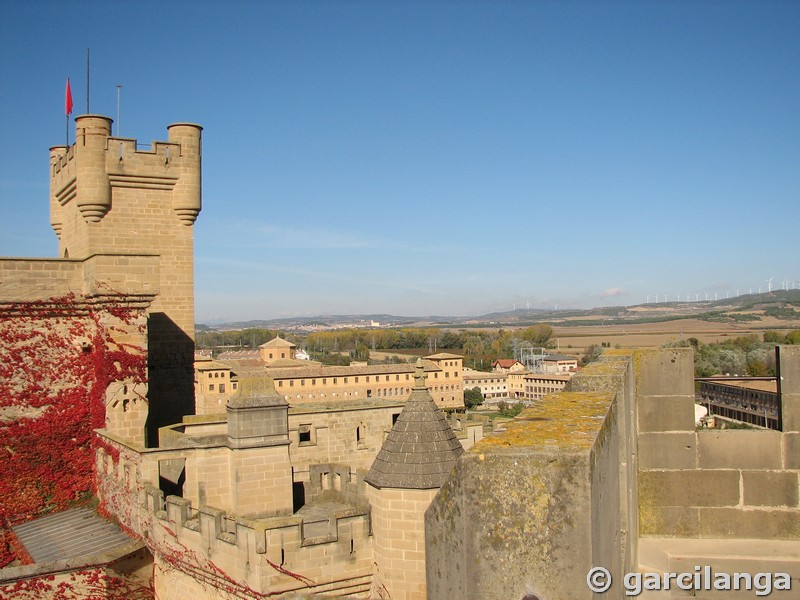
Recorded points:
(429, 158)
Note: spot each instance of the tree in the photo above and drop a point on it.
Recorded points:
(592, 353)
(538, 334)
(473, 397)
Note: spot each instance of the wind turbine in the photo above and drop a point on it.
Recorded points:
(769, 284)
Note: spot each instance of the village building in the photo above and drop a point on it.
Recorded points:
(492, 384)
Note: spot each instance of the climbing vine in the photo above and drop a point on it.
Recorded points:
(57, 359)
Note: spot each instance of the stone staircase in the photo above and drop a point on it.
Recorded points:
(721, 556)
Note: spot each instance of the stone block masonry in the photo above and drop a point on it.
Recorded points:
(594, 474)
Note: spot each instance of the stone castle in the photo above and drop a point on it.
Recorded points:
(361, 496)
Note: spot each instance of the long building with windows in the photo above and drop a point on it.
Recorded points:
(752, 400)
(306, 381)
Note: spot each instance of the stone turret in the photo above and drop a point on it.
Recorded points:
(414, 461)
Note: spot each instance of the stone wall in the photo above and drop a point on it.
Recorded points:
(590, 475)
(349, 436)
(399, 542)
(200, 550)
(716, 483)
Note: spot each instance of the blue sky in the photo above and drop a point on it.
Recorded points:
(444, 158)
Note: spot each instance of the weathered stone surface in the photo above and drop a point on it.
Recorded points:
(665, 413)
(506, 525)
(770, 488)
(669, 372)
(755, 523)
(672, 450)
(689, 488)
(739, 449)
(791, 450)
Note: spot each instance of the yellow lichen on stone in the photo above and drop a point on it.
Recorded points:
(568, 420)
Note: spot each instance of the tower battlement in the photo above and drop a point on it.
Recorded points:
(86, 172)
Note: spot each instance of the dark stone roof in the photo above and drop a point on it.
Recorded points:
(421, 449)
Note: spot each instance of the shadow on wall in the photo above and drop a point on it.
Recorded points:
(170, 369)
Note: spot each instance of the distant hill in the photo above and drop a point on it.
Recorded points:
(780, 304)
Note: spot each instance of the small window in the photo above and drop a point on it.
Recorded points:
(211, 388)
(345, 379)
(302, 382)
(221, 388)
(304, 434)
(235, 385)
(280, 384)
(361, 435)
(356, 379)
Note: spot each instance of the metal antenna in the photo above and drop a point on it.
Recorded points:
(118, 88)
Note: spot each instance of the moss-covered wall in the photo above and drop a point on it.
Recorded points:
(527, 512)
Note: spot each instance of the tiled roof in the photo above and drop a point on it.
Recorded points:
(239, 355)
(333, 371)
(278, 343)
(421, 449)
(506, 362)
(210, 365)
(69, 534)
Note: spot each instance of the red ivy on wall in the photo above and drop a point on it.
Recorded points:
(57, 359)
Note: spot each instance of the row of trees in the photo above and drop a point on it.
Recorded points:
(479, 347)
(244, 338)
(748, 355)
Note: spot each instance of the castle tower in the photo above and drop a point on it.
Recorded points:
(108, 197)
(413, 463)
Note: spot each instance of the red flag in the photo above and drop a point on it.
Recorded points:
(68, 100)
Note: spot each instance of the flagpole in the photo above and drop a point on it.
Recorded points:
(87, 81)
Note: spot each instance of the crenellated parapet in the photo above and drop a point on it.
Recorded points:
(198, 546)
(87, 171)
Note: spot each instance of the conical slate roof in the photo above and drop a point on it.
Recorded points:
(421, 448)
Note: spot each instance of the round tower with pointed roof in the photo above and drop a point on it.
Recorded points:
(413, 463)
